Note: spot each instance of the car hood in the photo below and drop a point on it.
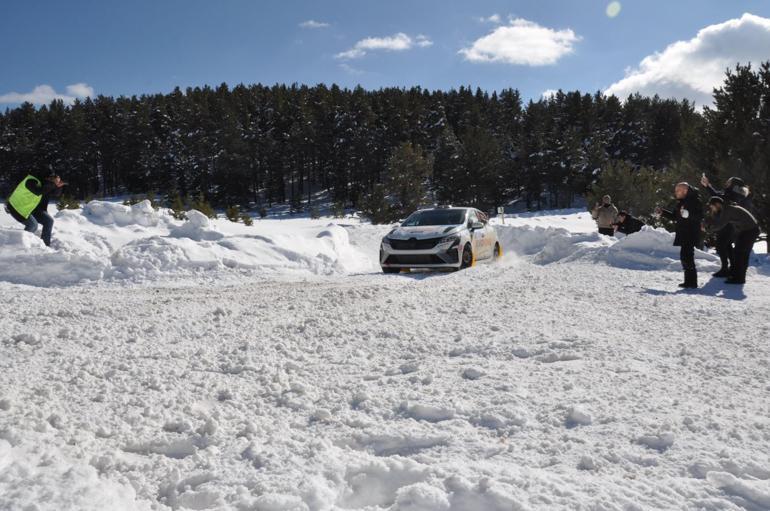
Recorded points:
(421, 233)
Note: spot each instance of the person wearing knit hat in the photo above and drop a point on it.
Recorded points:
(735, 192)
(605, 214)
(746, 228)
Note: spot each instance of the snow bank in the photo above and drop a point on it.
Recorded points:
(24, 259)
(196, 227)
(649, 249)
(110, 213)
(653, 249)
(30, 479)
(194, 247)
(108, 241)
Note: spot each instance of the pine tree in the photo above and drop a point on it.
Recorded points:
(449, 172)
(408, 171)
(257, 145)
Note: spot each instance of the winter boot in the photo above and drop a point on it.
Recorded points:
(690, 280)
(724, 271)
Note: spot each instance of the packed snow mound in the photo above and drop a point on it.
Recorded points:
(24, 259)
(649, 249)
(653, 249)
(110, 213)
(45, 481)
(203, 249)
(196, 227)
(109, 241)
(16, 241)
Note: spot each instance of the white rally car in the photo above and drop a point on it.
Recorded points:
(448, 238)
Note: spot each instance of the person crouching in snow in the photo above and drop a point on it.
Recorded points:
(746, 230)
(28, 203)
(627, 224)
(605, 214)
(688, 215)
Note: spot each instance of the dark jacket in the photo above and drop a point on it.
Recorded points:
(737, 195)
(630, 225)
(688, 215)
(737, 216)
(50, 191)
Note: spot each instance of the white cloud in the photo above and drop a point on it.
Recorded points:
(314, 24)
(44, 94)
(495, 19)
(423, 41)
(395, 42)
(522, 42)
(549, 93)
(691, 69)
(80, 90)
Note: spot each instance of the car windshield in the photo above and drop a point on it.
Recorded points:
(436, 217)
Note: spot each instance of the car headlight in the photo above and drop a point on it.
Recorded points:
(450, 239)
(386, 241)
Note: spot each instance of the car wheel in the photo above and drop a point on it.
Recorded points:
(498, 252)
(468, 259)
(390, 270)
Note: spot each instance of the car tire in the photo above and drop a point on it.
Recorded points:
(390, 270)
(467, 257)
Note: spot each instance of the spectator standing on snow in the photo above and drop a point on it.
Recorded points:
(28, 203)
(746, 229)
(735, 192)
(628, 224)
(688, 215)
(605, 214)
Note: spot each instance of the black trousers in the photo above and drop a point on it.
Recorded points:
(724, 246)
(743, 244)
(607, 231)
(687, 256)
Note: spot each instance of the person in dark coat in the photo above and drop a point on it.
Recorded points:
(688, 215)
(746, 230)
(735, 192)
(628, 224)
(41, 192)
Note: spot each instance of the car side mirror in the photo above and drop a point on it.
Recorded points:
(476, 225)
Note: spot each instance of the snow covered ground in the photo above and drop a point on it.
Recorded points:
(150, 364)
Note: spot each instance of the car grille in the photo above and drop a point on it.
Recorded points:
(414, 244)
(414, 259)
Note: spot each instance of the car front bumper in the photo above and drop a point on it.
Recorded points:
(441, 256)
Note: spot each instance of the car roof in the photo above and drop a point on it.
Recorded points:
(443, 209)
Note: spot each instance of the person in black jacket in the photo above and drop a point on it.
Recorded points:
(746, 229)
(688, 215)
(49, 188)
(735, 192)
(627, 224)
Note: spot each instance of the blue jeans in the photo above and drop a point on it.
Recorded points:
(44, 219)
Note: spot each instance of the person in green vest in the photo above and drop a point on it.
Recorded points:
(28, 203)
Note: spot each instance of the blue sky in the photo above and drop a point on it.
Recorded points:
(142, 46)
